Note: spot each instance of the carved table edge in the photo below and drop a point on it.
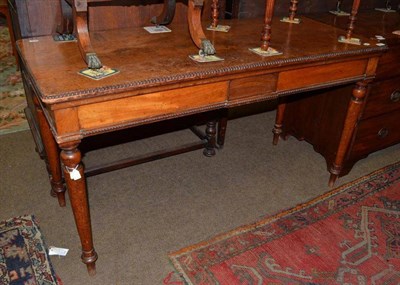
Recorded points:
(199, 75)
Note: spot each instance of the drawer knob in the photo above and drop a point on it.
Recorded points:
(395, 97)
(383, 133)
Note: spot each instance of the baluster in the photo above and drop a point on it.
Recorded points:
(265, 49)
(352, 19)
(292, 13)
(215, 13)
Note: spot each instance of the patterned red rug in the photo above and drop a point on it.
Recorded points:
(350, 235)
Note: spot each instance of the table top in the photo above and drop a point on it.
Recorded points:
(162, 60)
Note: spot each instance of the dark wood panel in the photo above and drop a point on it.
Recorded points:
(31, 20)
(318, 118)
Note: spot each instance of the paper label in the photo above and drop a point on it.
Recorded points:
(75, 175)
(58, 251)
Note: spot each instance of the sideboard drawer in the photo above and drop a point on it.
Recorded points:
(384, 97)
(377, 133)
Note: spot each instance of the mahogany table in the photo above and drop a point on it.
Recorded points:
(157, 81)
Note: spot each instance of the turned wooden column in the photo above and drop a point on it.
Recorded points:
(353, 112)
(277, 130)
(52, 155)
(266, 33)
(352, 18)
(76, 184)
(293, 9)
(215, 13)
(211, 131)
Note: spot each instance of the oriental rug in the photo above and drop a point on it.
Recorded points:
(24, 258)
(12, 95)
(350, 235)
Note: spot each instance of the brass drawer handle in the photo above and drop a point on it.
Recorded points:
(395, 97)
(383, 133)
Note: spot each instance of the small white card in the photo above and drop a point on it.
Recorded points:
(75, 175)
(58, 251)
(157, 29)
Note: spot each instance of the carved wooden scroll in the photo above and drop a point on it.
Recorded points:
(167, 13)
(195, 28)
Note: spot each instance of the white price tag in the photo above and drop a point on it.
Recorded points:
(75, 175)
(58, 251)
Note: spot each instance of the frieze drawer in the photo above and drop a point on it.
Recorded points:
(136, 108)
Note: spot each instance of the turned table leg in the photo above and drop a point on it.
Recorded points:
(195, 28)
(80, 17)
(76, 184)
(211, 131)
(222, 124)
(167, 13)
(52, 154)
(353, 112)
(277, 130)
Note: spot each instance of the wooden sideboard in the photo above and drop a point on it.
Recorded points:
(319, 117)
